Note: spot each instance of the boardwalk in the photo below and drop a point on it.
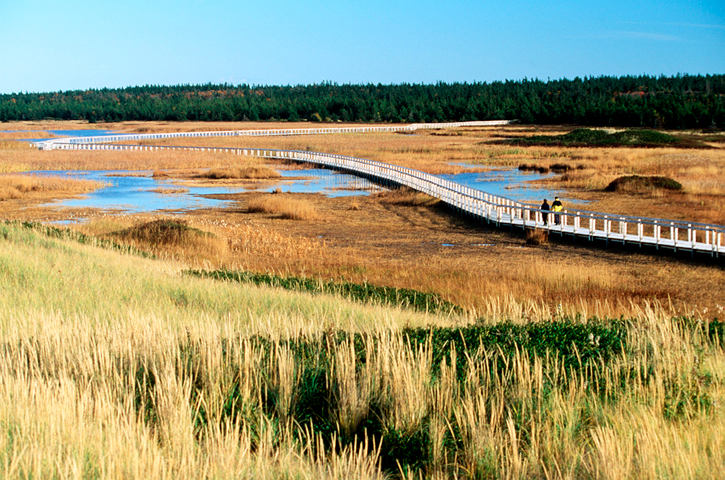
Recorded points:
(675, 235)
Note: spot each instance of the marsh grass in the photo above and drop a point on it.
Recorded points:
(536, 236)
(285, 206)
(170, 190)
(19, 186)
(172, 239)
(407, 196)
(253, 172)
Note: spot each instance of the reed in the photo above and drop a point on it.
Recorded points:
(18, 186)
(285, 206)
(254, 172)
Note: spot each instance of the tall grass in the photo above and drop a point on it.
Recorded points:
(284, 206)
(116, 366)
(14, 187)
(252, 172)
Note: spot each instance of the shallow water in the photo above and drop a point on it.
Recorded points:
(132, 191)
(135, 193)
(509, 183)
(61, 133)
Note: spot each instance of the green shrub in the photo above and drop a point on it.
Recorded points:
(639, 183)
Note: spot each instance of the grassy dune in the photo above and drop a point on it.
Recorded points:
(115, 365)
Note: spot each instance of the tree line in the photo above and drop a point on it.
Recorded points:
(677, 102)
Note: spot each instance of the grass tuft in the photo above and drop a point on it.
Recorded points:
(536, 236)
(253, 172)
(285, 206)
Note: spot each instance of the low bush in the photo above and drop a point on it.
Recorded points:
(639, 184)
(536, 236)
(162, 232)
(584, 137)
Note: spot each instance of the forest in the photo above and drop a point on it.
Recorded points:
(674, 102)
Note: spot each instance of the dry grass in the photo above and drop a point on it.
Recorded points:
(116, 366)
(285, 206)
(254, 172)
(536, 236)
(407, 196)
(170, 190)
(147, 397)
(396, 239)
(14, 187)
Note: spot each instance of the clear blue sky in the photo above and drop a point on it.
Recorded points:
(77, 44)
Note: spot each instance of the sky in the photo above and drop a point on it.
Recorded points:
(48, 46)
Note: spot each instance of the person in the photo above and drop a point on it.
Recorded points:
(556, 206)
(545, 212)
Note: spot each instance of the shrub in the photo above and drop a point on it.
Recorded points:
(638, 184)
(536, 236)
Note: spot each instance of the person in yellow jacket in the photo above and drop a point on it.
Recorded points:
(556, 206)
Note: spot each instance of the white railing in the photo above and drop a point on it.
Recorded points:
(642, 231)
(136, 137)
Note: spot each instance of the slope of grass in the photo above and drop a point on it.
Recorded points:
(66, 274)
(114, 366)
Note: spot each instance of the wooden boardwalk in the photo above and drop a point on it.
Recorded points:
(675, 235)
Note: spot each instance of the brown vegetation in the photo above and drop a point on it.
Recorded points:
(397, 238)
(13, 187)
(284, 205)
(253, 172)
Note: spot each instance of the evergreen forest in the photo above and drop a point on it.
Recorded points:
(677, 102)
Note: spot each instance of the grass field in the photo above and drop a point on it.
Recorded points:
(115, 365)
(307, 346)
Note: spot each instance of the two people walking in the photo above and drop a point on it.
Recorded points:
(556, 207)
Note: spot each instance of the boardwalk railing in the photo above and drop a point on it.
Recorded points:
(656, 232)
(135, 137)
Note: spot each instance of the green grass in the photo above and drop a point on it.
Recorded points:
(584, 137)
(402, 297)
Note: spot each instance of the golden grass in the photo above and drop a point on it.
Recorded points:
(17, 186)
(396, 239)
(406, 196)
(283, 205)
(170, 190)
(116, 366)
(253, 172)
(75, 388)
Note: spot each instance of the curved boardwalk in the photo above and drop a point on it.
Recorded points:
(659, 233)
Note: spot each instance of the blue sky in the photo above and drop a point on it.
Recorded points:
(79, 44)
